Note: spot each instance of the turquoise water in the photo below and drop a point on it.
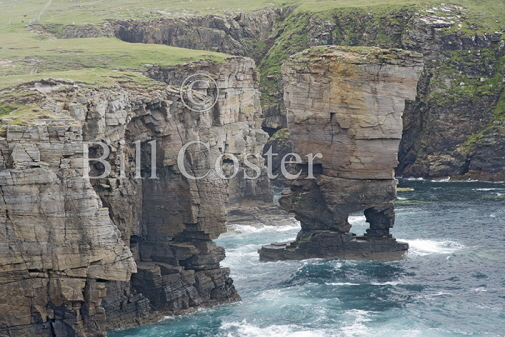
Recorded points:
(451, 283)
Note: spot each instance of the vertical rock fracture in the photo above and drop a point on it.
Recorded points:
(345, 103)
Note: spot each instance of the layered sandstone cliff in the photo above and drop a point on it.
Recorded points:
(81, 255)
(57, 243)
(454, 126)
(345, 108)
(235, 34)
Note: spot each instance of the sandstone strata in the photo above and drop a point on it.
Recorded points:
(452, 129)
(236, 119)
(57, 242)
(346, 104)
(79, 256)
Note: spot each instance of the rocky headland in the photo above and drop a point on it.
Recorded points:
(81, 255)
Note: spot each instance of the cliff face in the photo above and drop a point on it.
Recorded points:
(236, 34)
(236, 119)
(58, 244)
(459, 102)
(344, 110)
(82, 255)
(454, 126)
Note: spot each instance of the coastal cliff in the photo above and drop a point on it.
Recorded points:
(58, 244)
(453, 127)
(81, 255)
(344, 108)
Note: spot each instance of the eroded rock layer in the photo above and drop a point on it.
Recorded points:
(80, 255)
(346, 104)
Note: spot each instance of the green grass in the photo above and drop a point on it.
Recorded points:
(27, 53)
(325, 5)
(91, 77)
(25, 57)
(486, 15)
(484, 12)
(26, 114)
(82, 12)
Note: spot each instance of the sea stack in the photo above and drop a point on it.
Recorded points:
(345, 103)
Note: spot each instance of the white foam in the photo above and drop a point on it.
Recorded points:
(342, 284)
(427, 247)
(390, 283)
(444, 180)
(480, 289)
(246, 229)
(356, 328)
(356, 218)
(431, 296)
(245, 329)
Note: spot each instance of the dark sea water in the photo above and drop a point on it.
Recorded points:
(451, 283)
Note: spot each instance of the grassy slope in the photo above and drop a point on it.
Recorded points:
(26, 56)
(82, 12)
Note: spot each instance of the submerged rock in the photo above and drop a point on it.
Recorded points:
(346, 104)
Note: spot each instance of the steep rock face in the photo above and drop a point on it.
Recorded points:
(234, 34)
(277, 147)
(460, 89)
(70, 260)
(460, 93)
(344, 110)
(58, 244)
(236, 119)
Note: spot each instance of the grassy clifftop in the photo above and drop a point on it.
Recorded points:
(82, 12)
(23, 52)
(22, 12)
(28, 56)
